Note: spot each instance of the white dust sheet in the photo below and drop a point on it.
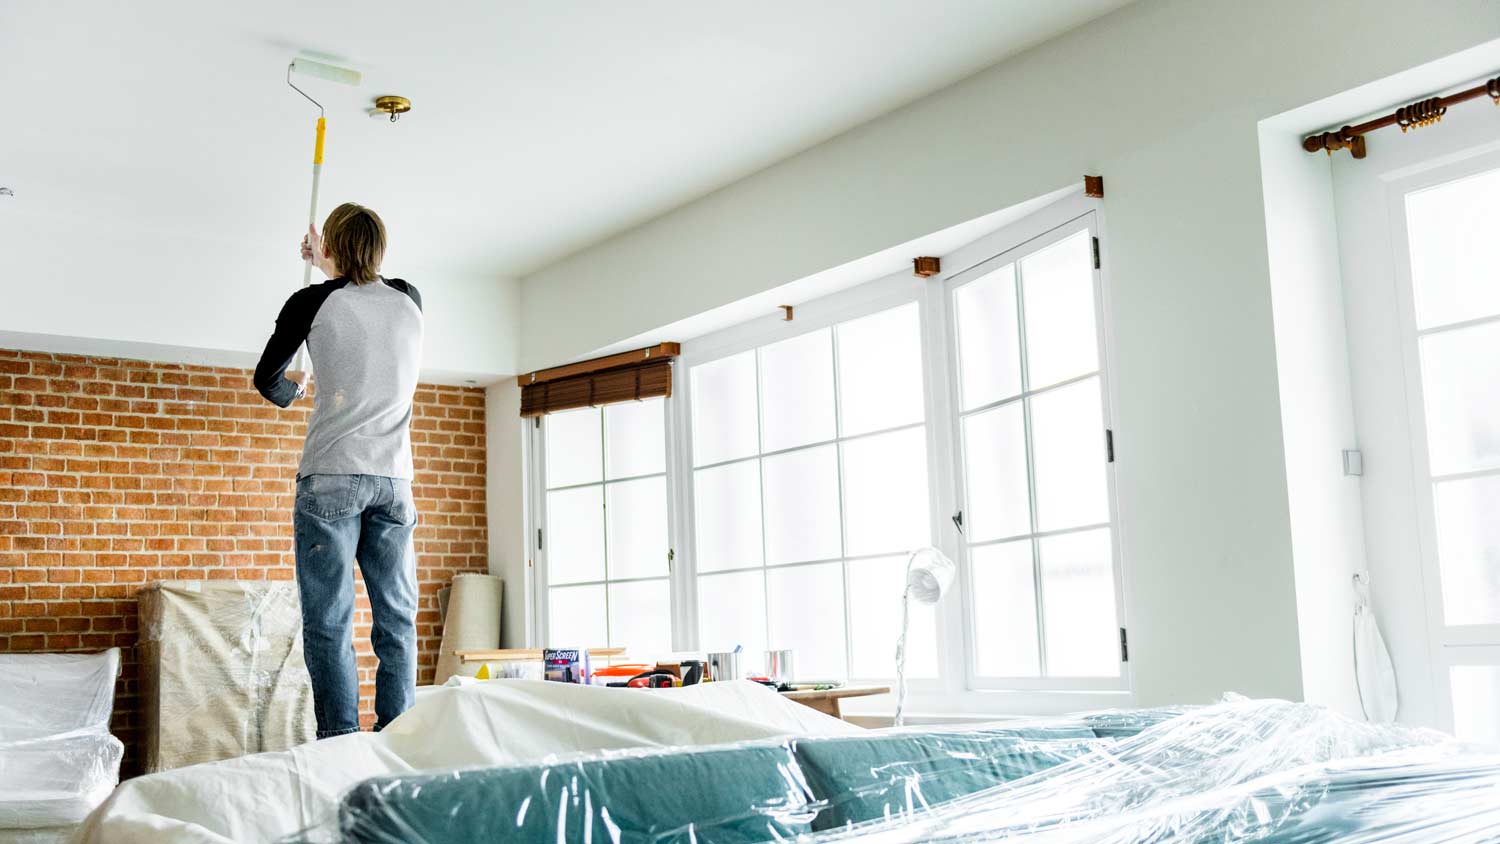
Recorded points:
(498, 722)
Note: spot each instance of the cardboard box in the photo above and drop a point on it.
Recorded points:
(222, 673)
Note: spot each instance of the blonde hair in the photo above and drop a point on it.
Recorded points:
(354, 237)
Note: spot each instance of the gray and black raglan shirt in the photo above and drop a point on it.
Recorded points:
(365, 342)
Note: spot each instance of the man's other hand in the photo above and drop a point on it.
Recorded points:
(312, 250)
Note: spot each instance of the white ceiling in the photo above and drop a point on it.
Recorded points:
(538, 129)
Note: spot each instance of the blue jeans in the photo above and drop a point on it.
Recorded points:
(339, 519)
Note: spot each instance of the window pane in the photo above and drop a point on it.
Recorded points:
(1454, 251)
(880, 371)
(885, 493)
(640, 618)
(1468, 537)
(807, 615)
(1460, 369)
(636, 512)
(875, 588)
(1057, 286)
(732, 611)
(995, 474)
(1067, 427)
(989, 346)
(573, 447)
(796, 389)
(576, 617)
(1476, 702)
(802, 505)
(724, 411)
(726, 501)
(635, 438)
(575, 535)
(1078, 605)
(1004, 601)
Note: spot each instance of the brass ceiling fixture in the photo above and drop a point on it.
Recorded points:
(392, 105)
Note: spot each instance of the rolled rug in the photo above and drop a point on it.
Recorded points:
(472, 622)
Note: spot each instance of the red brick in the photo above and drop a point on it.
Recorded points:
(108, 479)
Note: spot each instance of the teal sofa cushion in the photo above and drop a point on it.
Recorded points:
(735, 795)
(1126, 723)
(859, 778)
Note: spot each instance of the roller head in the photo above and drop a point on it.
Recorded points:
(332, 73)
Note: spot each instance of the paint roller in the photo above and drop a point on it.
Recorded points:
(331, 73)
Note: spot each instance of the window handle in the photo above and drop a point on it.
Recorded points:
(958, 521)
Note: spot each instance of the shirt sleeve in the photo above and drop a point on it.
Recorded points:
(406, 287)
(292, 325)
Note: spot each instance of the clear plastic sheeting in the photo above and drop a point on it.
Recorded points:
(222, 672)
(1243, 771)
(57, 758)
(1238, 772)
(740, 793)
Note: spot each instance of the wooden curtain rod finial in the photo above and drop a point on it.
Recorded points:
(788, 309)
(926, 266)
(1331, 141)
(1093, 186)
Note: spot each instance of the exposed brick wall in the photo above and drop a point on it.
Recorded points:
(115, 473)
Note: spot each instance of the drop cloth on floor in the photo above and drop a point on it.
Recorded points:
(268, 795)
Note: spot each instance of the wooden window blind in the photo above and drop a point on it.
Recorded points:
(628, 376)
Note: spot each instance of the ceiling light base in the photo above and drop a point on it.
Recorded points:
(392, 105)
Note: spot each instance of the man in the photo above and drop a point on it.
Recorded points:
(354, 502)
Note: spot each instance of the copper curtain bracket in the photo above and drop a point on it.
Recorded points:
(1423, 112)
(926, 266)
(787, 317)
(1093, 186)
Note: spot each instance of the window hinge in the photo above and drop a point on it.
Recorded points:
(1109, 445)
(538, 539)
(1096, 253)
(671, 555)
(1124, 646)
(536, 421)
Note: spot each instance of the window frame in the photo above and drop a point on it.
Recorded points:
(891, 291)
(956, 691)
(538, 587)
(1448, 645)
(1042, 237)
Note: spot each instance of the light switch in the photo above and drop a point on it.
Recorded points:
(1354, 462)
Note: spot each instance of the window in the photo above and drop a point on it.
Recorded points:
(1454, 319)
(1031, 430)
(804, 460)
(605, 542)
(809, 483)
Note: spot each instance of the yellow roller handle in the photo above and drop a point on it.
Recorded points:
(318, 149)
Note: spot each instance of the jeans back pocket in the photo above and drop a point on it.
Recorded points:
(327, 496)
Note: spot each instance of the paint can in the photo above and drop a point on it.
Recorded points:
(779, 667)
(724, 665)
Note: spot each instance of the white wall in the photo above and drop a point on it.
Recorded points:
(85, 279)
(1317, 413)
(505, 497)
(1163, 98)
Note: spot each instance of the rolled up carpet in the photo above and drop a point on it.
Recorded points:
(472, 622)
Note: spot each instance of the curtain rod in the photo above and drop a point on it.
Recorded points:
(1420, 113)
